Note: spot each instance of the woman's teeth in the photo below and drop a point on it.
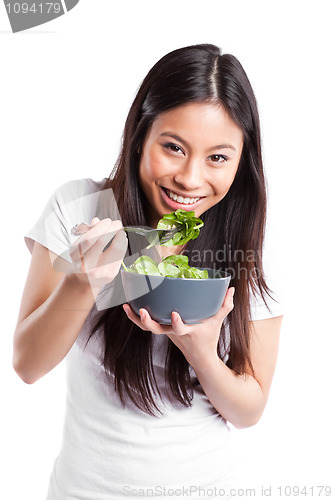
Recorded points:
(181, 199)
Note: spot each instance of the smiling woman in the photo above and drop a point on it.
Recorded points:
(191, 173)
(149, 404)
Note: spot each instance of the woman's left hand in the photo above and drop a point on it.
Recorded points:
(197, 341)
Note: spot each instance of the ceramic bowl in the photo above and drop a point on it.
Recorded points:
(194, 299)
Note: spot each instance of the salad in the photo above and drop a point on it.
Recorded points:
(173, 266)
(189, 226)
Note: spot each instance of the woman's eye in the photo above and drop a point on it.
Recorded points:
(218, 158)
(173, 147)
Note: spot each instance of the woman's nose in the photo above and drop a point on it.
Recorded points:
(190, 175)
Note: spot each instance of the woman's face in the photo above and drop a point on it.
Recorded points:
(189, 159)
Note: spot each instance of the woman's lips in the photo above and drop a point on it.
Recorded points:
(175, 205)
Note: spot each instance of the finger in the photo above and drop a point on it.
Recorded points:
(95, 220)
(231, 295)
(116, 251)
(95, 254)
(87, 240)
(83, 267)
(152, 325)
(89, 259)
(105, 268)
(179, 328)
(133, 317)
(228, 304)
(145, 322)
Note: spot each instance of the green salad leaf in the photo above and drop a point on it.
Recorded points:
(145, 265)
(173, 266)
(189, 226)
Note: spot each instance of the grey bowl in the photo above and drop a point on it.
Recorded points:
(194, 299)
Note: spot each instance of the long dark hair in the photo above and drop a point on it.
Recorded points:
(233, 229)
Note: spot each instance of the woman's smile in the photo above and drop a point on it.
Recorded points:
(174, 200)
(189, 159)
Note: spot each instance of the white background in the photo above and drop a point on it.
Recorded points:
(65, 90)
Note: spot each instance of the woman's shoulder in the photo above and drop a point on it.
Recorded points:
(267, 306)
(83, 199)
(272, 303)
(71, 202)
(77, 188)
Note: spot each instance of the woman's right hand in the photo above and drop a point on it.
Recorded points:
(92, 265)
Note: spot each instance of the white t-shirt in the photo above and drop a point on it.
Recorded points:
(111, 452)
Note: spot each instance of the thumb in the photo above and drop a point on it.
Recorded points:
(228, 304)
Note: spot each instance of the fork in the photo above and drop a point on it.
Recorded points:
(153, 236)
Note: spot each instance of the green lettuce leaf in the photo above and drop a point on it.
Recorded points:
(189, 226)
(174, 266)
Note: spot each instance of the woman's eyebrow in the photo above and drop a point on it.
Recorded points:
(178, 138)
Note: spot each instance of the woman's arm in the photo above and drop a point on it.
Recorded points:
(53, 309)
(241, 399)
(55, 305)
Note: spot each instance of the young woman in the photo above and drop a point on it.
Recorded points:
(148, 405)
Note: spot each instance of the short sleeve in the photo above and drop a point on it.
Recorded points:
(271, 307)
(274, 303)
(72, 203)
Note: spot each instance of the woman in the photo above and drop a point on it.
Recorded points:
(148, 404)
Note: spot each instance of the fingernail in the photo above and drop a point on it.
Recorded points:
(142, 314)
(233, 292)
